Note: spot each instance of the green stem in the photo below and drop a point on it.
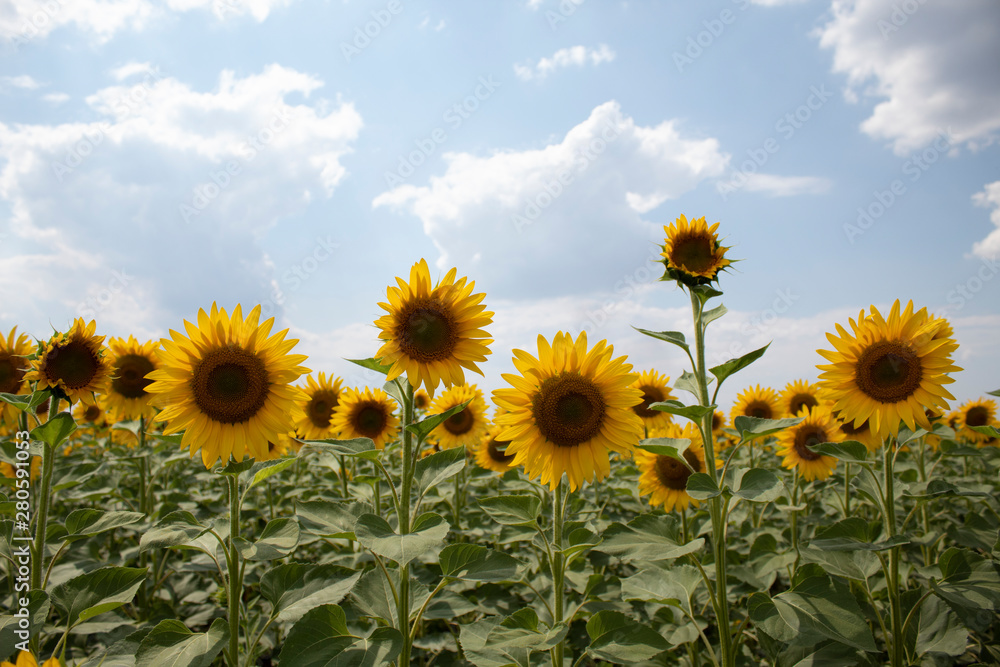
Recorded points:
(558, 565)
(847, 489)
(795, 519)
(403, 602)
(456, 504)
(48, 460)
(343, 476)
(235, 580)
(895, 603)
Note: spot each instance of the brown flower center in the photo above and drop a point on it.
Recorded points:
(847, 428)
(461, 422)
(977, 416)
(800, 401)
(321, 406)
(230, 384)
(92, 413)
(498, 454)
(369, 419)
(717, 421)
(74, 362)
(806, 437)
(130, 375)
(673, 474)
(421, 401)
(649, 395)
(888, 371)
(758, 408)
(11, 373)
(426, 331)
(693, 253)
(568, 409)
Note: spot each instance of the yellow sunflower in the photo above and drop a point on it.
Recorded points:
(862, 433)
(91, 420)
(818, 426)
(9, 470)
(126, 393)
(692, 253)
(757, 402)
(889, 369)
(366, 413)
(568, 409)
(432, 332)
(74, 362)
(491, 454)
(13, 366)
(421, 400)
(26, 659)
(322, 394)
(798, 395)
(228, 386)
(280, 446)
(980, 412)
(663, 478)
(718, 423)
(654, 389)
(465, 428)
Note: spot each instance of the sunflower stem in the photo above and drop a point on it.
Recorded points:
(558, 565)
(235, 580)
(895, 605)
(795, 518)
(48, 460)
(847, 489)
(343, 476)
(403, 602)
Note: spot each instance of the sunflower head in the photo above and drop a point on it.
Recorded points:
(421, 400)
(125, 390)
(757, 401)
(980, 412)
(568, 409)
(491, 452)
(13, 366)
(74, 363)
(718, 423)
(861, 433)
(795, 444)
(321, 397)
(664, 478)
(692, 253)
(466, 427)
(433, 332)
(366, 413)
(228, 386)
(798, 396)
(280, 446)
(655, 389)
(10, 472)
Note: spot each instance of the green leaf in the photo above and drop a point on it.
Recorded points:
(751, 428)
(473, 637)
(321, 639)
(618, 638)
(704, 293)
(994, 393)
(335, 517)
(940, 630)
(521, 630)
(55, 431)
(817, 605)
(663, 585)
(991, 431)
(278, 539)
(673, 337)
(672, 447)
(172, 644)
(688, 382)
(372, 365)
(264, 469)
(375, 533)
(853, 534)
(295, 588)
(723, 371)
(120, 654)
(38, 610)
(434, 469)
(29, 402)
(848, 451)
(360, 447)
(759, 485)
(174, 530)
(765, 617)
(858, 565)
(235, 467)
(971, 585)
(512, 510)
(692, 412)
(647, 537)
(473, 562)
(700, 486)
(431, 422)
(96, 592)
(86, 522)
(709, 316)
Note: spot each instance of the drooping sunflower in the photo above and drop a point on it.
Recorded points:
(889, 369)
(322, 395)
(798, 395)
(568, 409)
(432, 332)
(757, 401)
(491, 453)
(794, 444)
(75, 363)
(654, 389)
(466, 427)
(366, 413)
(692, 253)
(26, 659)
(980, 412)
(126, 393)
(228, 386)
(663, 478)
(13, 367)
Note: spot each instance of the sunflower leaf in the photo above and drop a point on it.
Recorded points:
(261, 470)
(853, 534)
(818, 605)
(375, 533)
(295, 588)
(87, 595)
(428, 424)
(689, 382)
(512, 510)
(848, 451)
(171, 643)
(434, 469)
(278, 539)
(617, 638)
(29, 402)
(705, 292)
(672, 447)
(673, 337)
(372, 365)
(472, 562)
(335, 518)
(175, 529)
(751, 428)
(88, 521)
(759, 485)
(994, 393)
(235, 467)
(360, 447)
(38, 610)
(692, 412)
(700, 486)
(56, 430)
(991, 431)
(723, 371)
(648, 538)
(321, 639)
(710, 316)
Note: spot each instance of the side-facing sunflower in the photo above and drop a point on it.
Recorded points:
(433, 332)
(228, 386)
(75, 363)
(491, 453)
(322, 395)
(464, 428)
(655, 389)
(889, 369)
(664, 478)
(366, 413)
(797, 396)
(794, 444)
(568, 409)
(980, 412)
(692, 253)
(756, 401)
(126, 393)
(13, 367)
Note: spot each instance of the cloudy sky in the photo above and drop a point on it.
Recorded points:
(159, 155)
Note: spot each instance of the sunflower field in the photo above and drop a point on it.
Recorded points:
(210, 499)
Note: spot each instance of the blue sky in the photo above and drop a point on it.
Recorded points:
(158, 156)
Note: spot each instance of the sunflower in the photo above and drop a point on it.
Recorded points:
(75, 363)
(654, 389)
(91, 420)
(322, 394)
(13, 366)
(228, 386)
(421, 400)
(664, 478)
(568, 409)
(464, 428)
(280, 446)
(126, 393)
(798, 395)
(366, 413)
(491, 454)
(794, 444)
(980, 412)
(26, 659)
(9, 471)
(861, 433)
(691, 253)
(889, 369)
(757, 402)
(432, 333)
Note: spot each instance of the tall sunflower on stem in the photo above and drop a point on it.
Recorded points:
(13, 366)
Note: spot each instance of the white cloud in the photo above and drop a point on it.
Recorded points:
(56, 98)
(24, 82)
(786, 186)
(171, 188)
(989, 247)
(533, 5)
(932, 66)
(574, 56)
(131, 69)
(514, 224)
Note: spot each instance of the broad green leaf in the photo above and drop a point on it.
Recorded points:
(295, 588)
(817, 605)
(848, 451)
(618, 638)
(360, 447)
(121, 653)
(321, 639)
(473, 562)
(688, 382)
(647, 537)
(375, 533)
(709, 316)
(990, 431)
(372, 365)
(700, 486)
(521, 630)
(853, 534)
(448, 605)
(172, 644)
(672, 447)
(970, 586)
(673, 337)
(335, 517)
(940, 630)
(96, 592)
(723, 371)
(37, 610)
(704, 293)
(512, 510)
(692, 412)
(939, 488)
(431, 422)
(55, 431)
(765, 617)
(28, 402)
(85, 522)
(264, 469)
(858, 565)
(278, 539)
(235, 467)
(751, 428)
(664, 585)
(176, 529)
(759, 485)
(994, 393)
(473, 637)
(434, 469)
